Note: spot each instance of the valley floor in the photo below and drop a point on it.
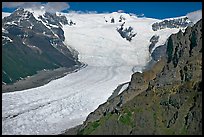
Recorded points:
(62, 103)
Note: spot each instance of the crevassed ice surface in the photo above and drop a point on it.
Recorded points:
(62, 103)
(66, 102)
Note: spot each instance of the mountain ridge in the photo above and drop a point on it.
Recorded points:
(31, 47)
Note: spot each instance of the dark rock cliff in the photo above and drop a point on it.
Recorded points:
(164, 100)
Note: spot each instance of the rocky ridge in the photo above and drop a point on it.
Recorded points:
(181, 22)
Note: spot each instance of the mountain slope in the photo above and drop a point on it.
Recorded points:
(4, 14)
(170, 95)
(29, 46)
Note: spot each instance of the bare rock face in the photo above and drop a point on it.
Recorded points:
(167, 99)
(184, 54)
(127, 33)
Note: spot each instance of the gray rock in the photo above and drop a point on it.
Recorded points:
(126, 33)
(172, 23)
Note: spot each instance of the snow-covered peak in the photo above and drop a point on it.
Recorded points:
(116, 17)
(5, 14)
(192, 16)
(174, 18)
(195, 16)
(36, 12)
(24, 12)
(124, 15)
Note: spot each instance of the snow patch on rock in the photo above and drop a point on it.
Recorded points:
(195, 16)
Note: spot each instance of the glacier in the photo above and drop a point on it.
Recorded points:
(66, 102)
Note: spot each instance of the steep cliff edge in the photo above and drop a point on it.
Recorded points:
(164, 100)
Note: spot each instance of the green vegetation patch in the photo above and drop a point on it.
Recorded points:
(90, 128)
(126, 117)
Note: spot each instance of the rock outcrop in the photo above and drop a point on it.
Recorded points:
(172, 23)
(127, 33)
(154, 39)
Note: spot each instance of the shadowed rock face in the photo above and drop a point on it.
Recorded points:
(164, 100)
(33, 46)
(154, 39)
(159, 51)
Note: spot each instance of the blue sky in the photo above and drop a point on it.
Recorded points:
(158, 10)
